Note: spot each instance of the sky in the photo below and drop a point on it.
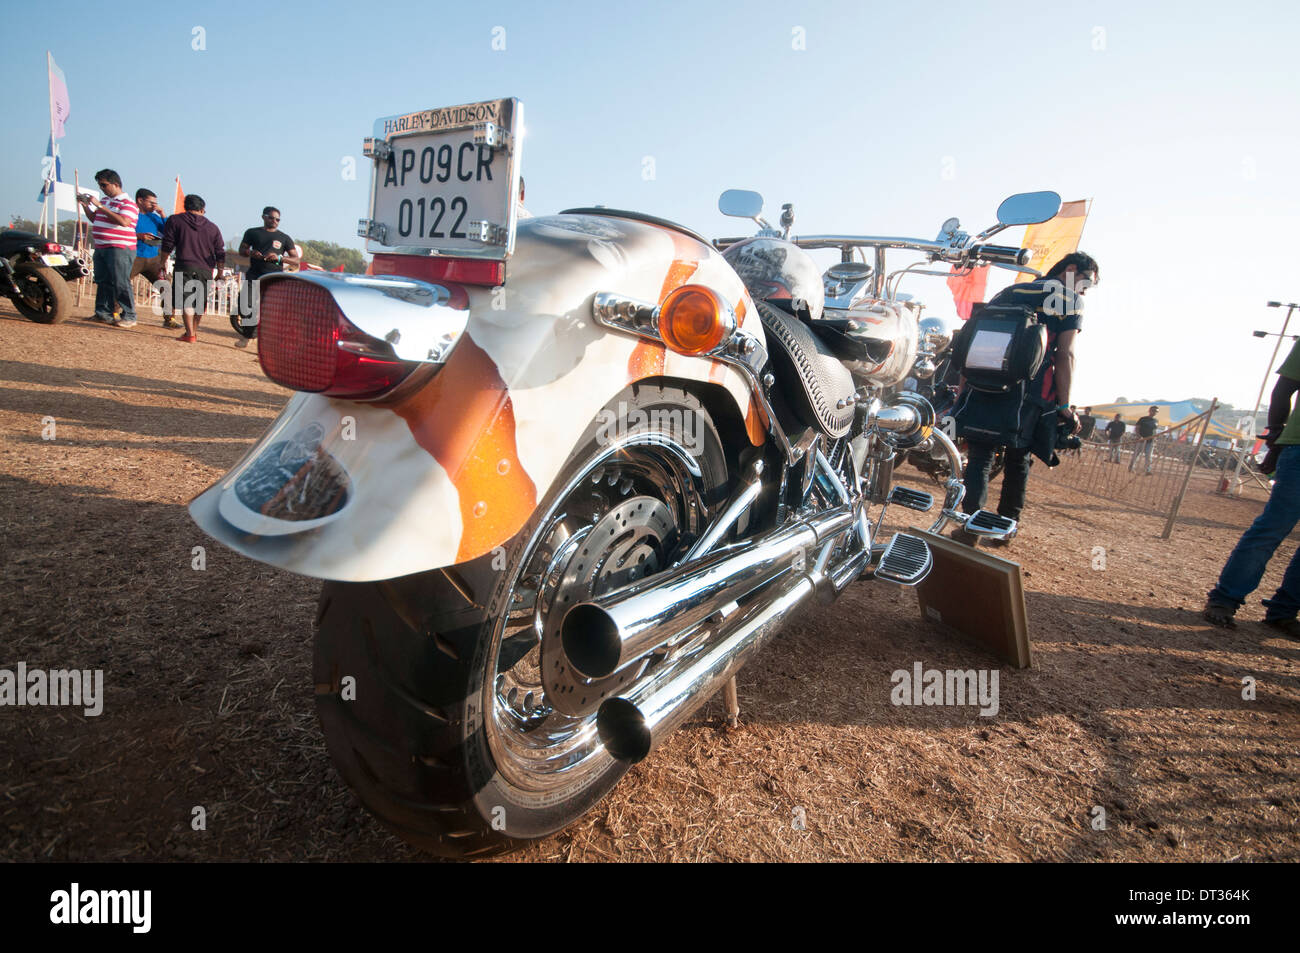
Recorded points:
(1177, 121)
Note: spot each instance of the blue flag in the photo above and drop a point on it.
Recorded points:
(51, 170)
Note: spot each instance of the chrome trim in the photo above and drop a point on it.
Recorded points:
(955, 489)
(904, 422)
(740, 501)
(743, 350)
(488, 233)
(368, 228)
(828, 471)
(602, 636)
(494, 137)
(632, 725)
(412, 316)
(374, 147)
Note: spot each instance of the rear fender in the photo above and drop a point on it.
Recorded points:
(453, 469)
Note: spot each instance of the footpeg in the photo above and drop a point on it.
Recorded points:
(985, 523)
(906, 560)
(911, 499)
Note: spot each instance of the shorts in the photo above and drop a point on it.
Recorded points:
(151, 268)
(190, 286)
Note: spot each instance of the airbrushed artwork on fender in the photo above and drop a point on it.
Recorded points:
(364, 491)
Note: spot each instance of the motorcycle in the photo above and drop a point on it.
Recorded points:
(34, 273)
(562, 477)
(857, 291)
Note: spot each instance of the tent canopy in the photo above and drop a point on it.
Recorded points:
(1169, 413)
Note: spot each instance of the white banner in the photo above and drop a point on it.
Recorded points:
(65, 196)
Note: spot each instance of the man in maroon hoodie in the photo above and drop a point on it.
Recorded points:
(199, 249)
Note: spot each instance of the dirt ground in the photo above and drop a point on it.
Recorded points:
(1133, 704)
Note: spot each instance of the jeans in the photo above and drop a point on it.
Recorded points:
(1112, 452)
(1015, 478)
(1245, 567)
(1142, 447)
(113, 281)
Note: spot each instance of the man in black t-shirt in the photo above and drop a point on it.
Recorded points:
(1114, 433)
(1146, 431)
(1057, 299)
(1087, 424)
(267, 249)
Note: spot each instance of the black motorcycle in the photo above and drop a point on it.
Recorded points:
(34, 273)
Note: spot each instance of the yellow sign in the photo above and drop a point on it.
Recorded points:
(1057, 237)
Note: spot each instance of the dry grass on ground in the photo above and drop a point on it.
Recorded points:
(1133, 703)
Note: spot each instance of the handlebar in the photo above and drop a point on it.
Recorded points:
(1001, 254)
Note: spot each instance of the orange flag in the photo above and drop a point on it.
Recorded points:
(967, 288)
(178, 205)
(1057, 237)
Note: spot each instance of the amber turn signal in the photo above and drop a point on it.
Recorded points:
(694, 320)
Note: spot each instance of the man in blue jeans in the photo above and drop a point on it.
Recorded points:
(1245, 567)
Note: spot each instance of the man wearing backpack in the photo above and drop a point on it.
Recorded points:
(1056, 302)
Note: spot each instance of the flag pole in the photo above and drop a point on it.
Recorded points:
(49, 82)
(76, 235)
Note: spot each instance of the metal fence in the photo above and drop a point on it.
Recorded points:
(1150, 474)
(223, 294)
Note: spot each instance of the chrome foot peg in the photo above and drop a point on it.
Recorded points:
(906, 560)
(985, 523)
(911, 499)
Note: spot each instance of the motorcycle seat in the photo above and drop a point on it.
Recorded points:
(810, 378)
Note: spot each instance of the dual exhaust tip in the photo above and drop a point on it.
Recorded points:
(592, 645)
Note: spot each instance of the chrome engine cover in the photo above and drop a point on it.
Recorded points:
(888, 329)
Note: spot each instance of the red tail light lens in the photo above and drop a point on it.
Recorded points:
(53, 247)
(305, 343)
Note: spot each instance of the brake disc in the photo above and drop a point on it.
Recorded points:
(630, 542)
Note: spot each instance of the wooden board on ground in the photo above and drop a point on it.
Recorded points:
(979, 595)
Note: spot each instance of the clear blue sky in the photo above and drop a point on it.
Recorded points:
(1179, 122)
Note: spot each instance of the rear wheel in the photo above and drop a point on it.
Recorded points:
(460, 729)
(46, 297)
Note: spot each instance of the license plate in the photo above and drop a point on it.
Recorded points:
(447, 180)
(54, 261)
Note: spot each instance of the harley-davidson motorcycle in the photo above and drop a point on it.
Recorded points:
(34, 273)
(563, 476)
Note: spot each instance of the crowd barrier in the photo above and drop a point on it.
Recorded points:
(1125, 472)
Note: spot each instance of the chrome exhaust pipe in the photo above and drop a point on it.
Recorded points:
(600, 637)
(631, 727)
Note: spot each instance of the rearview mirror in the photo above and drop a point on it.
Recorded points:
(740, 203)
(1029, 208)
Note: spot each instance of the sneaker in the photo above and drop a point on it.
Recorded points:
(1288, 627)
(1220, 616)
(188, 338)
(172, 323)
(103, 319)
(242, 342)
(127, 322)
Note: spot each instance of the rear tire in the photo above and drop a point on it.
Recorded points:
(445, 739)
(46, 297)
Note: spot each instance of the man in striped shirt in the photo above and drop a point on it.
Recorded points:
(112, 225)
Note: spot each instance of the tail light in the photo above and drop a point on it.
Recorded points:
(53, 248)
(306, 343)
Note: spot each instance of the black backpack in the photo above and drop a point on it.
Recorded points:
(1000, 347)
